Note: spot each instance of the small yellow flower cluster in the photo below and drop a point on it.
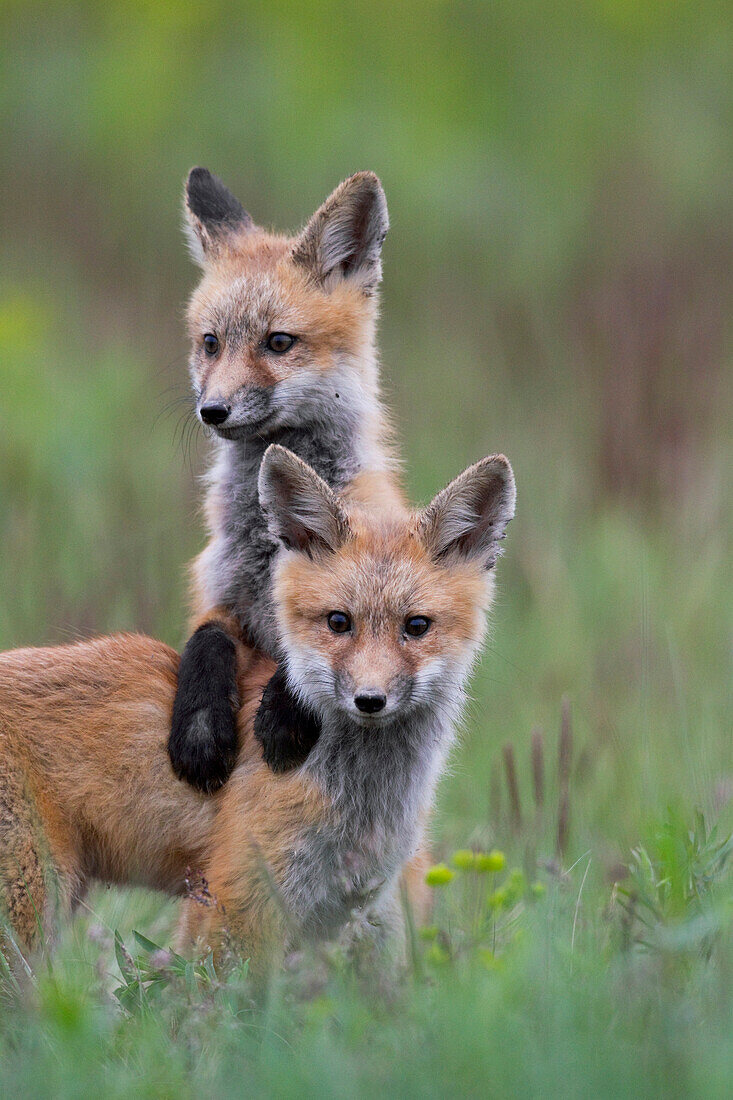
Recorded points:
(439, 875)
(483, 863)
(465, 859)
(490, 862)
(506, 892)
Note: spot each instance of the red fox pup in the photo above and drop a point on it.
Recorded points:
(283, 351)
(380, 616)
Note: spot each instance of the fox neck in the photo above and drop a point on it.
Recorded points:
(340, 433)
(380, 780)
(377, 784)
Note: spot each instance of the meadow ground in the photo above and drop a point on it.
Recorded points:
(558, 286)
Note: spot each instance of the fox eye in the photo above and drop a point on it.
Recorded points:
(339, 622)
(416, 626)
(280, 342)
(211, 344)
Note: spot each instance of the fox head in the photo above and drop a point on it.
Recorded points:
(380, 615)
(282, 328)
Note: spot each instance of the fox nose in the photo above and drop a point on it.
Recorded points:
(214, 413)
(370, 702)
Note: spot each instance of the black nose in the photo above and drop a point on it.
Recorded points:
(214, 414)
(370, 702)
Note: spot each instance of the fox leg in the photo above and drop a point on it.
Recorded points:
(231, 933)
(256, 933)
(419, 896)
(203, 740)
(376, 942)
(192, 930)
(35, 888)
(24, 923)
(285, 728)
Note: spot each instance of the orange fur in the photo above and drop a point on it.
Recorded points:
(83, 733)
(86, 787)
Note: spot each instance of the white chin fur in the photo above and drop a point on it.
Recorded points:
(310, 678)
(429, 682)
(343, 389)
(440, 685)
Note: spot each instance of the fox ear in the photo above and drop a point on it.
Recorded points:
(343, 239)
(469, 517)
(302, 511)
(212, 214)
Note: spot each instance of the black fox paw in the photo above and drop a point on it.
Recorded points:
(203, 741)
(203, 750)
(286, 730)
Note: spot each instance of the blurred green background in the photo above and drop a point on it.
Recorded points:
(558, 285)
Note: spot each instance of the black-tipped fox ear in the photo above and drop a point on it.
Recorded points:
(302, 511)
(343, 239)
(468, 518)
(212, 213)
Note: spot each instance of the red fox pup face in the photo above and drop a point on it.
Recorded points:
(280, 325)
(381, 615)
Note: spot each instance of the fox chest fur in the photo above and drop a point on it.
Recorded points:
(235, 568)
(375, 784)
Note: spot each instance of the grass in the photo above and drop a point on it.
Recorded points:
(561, 986)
